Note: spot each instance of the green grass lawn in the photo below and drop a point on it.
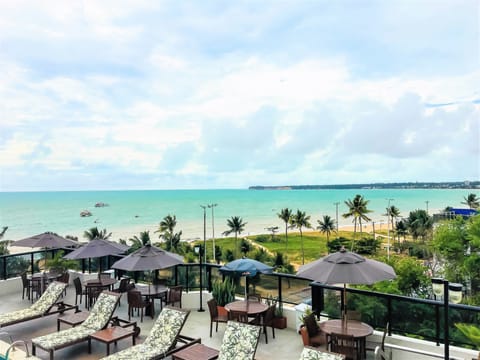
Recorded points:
(314, 243)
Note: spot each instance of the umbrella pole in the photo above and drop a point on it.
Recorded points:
(344, 315)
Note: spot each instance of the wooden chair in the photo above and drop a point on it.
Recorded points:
(64, 278)
(214, 316)
(344, 344)
(254, 297)
(239, 316)
(311, 333)
(122, 287)
(104, 275)
(267, 321)
(25, 285)
(135, 301)
(174, 296)
(79, 290)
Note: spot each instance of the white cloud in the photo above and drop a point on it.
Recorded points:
(234, 94)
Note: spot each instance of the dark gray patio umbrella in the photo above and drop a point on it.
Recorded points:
(148, 258)
(348, 268)
(97, 248)
(45, 240)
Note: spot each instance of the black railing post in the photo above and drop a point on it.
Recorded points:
(31, 265)
(437, 324)
(389, 315)
(280, 289)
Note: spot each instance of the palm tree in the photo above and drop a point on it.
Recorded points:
(166, 227)
(357, 208)
(94, 233)
(401, 229)
(419, 224)
(3, 231)
(286, 216)
(301, 220)
(326, 226)
(472, 201)
(139, 241)
(392, 212)
(236, 225)
(4, 244)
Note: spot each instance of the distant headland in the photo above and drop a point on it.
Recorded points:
(397, 185)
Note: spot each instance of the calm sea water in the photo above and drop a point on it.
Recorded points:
(130, 212)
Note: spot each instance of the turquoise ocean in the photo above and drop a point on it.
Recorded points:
(130, 212)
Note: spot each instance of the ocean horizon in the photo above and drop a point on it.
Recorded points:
(131, 211)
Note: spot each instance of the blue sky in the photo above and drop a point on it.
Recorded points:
(228, 94)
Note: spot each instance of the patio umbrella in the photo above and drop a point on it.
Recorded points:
(45, 240)
(246, 267)
(97, 248)
(148, 258)
(348, 268)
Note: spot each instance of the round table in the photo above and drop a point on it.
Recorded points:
(358, 329)
(252, 308)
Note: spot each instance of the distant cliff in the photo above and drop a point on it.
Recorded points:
(399, 185)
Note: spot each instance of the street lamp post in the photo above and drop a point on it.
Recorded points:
(336, 213)
(451, 293)
(388, 228)
(204, 207)
(213, 230)
(198, 250)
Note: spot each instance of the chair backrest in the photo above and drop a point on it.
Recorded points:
(254, 297)
(354, 315)
(102, 311)
(104, 276)
(309, 353)
(166, 328)
(134, 298)
(175, 293)
(239, 341)
(343, 344)
(270, 314)
(65, 277)
(212, 308)
(24, 279)
(240, 316)
(78, 285)
(49, 297)
(129, 287)
(122, 287)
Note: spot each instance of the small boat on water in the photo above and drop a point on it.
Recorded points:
(101, 204)
(85, 213)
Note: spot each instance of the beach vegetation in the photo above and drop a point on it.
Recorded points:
(166, 229)
(392, 214)
(419, 224)
(139, 241)
(4, 243)
(94, 233)
(237, 226)
(326, 226)
(60, 265)
(357, 209)
(286, 215)
(245, 247)
(472, 201)
(301, 220)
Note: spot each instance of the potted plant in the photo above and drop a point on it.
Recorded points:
(60, 265)
(223, 292)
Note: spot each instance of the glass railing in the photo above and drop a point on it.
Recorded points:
(418, 318)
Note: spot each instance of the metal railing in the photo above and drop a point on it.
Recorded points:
(414, 317)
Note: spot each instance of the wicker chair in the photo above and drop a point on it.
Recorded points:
(344, 344)
(214, 316)
(79, 290)
(26, 285)
(240, 316)
(135, 301)
(266, 321)
(174, 295)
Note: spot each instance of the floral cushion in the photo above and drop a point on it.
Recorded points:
(62, 338)
(49, 297)
(239, 342)
(313, 354)
(41, 306)
(97, 319)
(19, 315)
(102, 311)
(161, 337)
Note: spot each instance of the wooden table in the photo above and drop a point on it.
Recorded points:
(252, 308)
(358, 329)
(110, 335)
(150, 293)
(72, 319)
(196, 352)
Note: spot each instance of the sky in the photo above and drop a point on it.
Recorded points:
(228, 94)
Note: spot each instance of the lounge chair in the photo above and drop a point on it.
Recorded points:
(162, 340)
(98, 319)
(310, 353)
(42, 307)
(239, 341)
